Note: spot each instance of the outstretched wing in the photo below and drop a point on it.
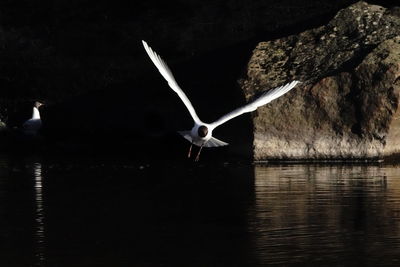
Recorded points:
(262, 100)
(167, 74)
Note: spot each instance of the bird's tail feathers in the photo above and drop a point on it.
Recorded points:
(214, 142)
(186, 135)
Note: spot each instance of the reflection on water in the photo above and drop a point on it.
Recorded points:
(326, 214)
(64, 212)
(39, 215)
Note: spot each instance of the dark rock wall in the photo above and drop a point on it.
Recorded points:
(56, 49)
(347, 105)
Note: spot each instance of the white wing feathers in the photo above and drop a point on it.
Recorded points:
(167, 74)
(262, 100)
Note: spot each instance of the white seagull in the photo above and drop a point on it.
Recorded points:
(33, 125)
(201, 133)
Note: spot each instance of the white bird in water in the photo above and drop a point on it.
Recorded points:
(201, 133)
(33, 125)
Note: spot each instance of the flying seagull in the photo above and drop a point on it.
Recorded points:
(201, 133)
(33, 125)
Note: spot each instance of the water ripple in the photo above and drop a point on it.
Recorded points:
(39, 215)
(321, 212)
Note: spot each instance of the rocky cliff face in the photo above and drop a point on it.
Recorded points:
(347, 106)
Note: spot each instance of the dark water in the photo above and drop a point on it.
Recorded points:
(115, 212)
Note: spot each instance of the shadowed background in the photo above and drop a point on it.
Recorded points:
(86, 61)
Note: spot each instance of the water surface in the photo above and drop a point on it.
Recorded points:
(118, 212)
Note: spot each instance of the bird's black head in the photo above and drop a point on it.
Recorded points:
(38, 104)
(202, 131)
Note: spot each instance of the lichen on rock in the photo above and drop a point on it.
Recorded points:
(347, 107)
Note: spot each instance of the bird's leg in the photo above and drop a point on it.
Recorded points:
(198, 154)
(190, 150)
